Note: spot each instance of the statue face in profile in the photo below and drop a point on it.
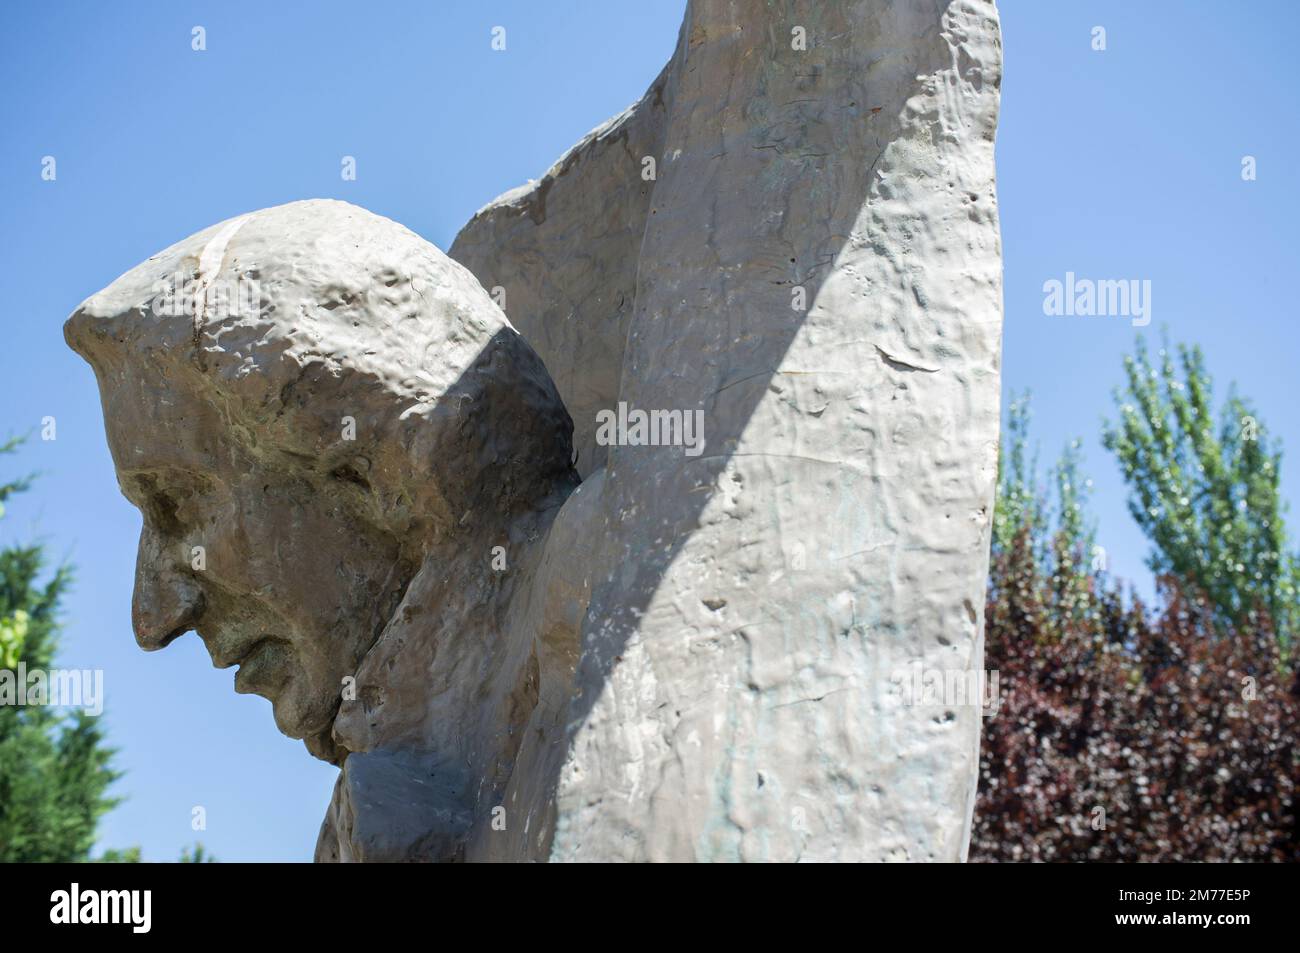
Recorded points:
(257, 561)
(300, 453)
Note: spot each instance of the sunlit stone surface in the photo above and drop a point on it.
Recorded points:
(689, 632)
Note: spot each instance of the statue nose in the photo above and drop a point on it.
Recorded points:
(166, 602)
(165, 605)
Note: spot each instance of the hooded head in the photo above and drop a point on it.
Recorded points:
(304, 403)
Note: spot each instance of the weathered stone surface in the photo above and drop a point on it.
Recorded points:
(347, 451)
(695, 654)
(757, 602)
(391, 808)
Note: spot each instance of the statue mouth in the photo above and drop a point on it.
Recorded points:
(263, 668)
(225, 656)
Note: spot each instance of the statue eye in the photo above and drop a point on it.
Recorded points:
(164, 511)
(164, 506)
(347, 473)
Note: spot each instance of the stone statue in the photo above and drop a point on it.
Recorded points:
(632, 573)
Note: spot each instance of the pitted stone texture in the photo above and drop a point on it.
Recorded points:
(740, 654)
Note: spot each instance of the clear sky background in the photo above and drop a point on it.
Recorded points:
(1117, 164)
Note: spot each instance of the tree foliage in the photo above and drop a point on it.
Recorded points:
(1126, 736)
(1205, 493)
(199, 855)
(1128, 733)
(54, 767)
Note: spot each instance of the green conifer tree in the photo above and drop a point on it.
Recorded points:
(54, 767)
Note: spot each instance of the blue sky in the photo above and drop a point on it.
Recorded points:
(1116, 164)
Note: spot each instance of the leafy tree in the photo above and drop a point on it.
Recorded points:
(1051, 534)
(1019, 504)
(54, 767)
(130, 855)
(197, 856)
(1207, 497)
(1123, 734)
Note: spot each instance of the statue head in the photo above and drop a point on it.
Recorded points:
(306, 404)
